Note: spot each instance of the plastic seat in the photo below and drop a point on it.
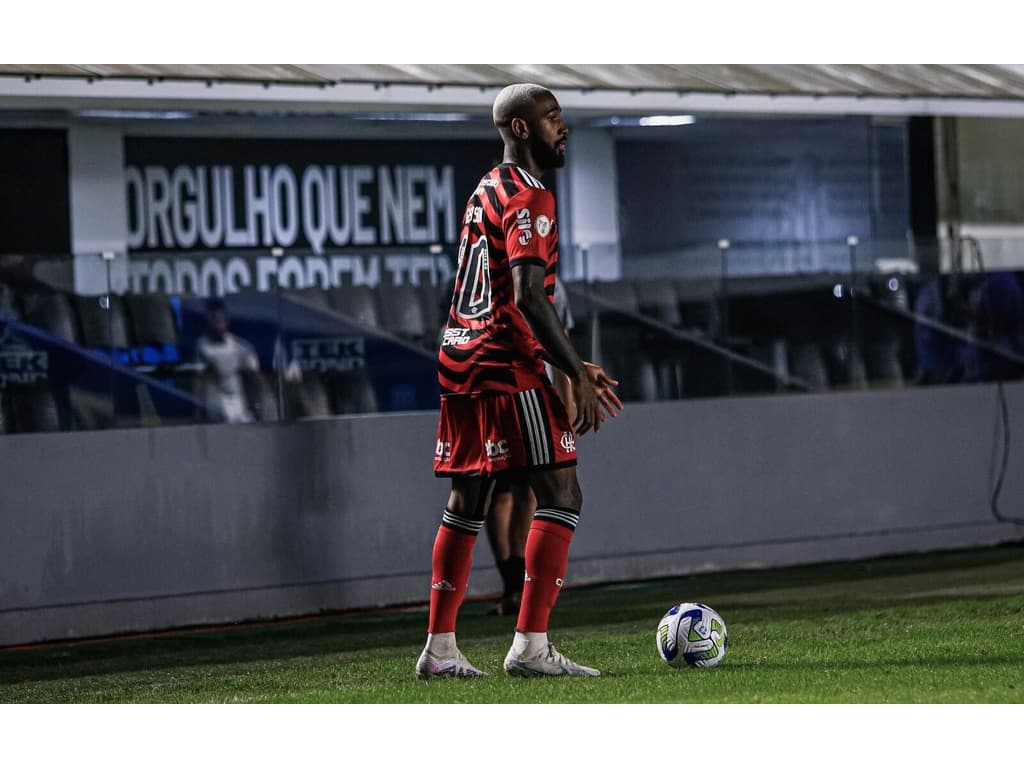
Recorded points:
(845, 364)
(154, 328)
(316, 297)
(53, 313)
(773, 354)
(621, 293)
(401, 313)
(658, 298)
(807, 363)
(352, 392)
(9, 303)
(6, 419)
(358, 302)
(37, 408)
(102, 327)
(436, 301)
(307, 399)
(882, 364)
(701, 315)
(151, 318)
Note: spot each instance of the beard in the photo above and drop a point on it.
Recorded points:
(545, 155)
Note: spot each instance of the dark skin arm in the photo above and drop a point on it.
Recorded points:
(591, 386)
(561, 382)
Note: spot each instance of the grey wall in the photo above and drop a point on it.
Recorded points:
(119, 531)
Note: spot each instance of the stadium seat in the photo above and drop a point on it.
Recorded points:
(316, 297)
(401, 314)
(37, 407)
(52, 312)
(91, 410)
(657, 298)
(435, 300)
(307, 399)
(103, 328)
(882, 364)
(358, 302)
(773, 354)
(699, 310)
(845, 364)
(704, 373)
(620, 293)
(154, 329)
(6, 419)
(807, 363)
(351, 392)
(9, 303)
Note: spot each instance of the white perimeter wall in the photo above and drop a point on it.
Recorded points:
(118, 531)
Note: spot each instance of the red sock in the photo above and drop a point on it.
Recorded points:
(451, 563)
(547, 556)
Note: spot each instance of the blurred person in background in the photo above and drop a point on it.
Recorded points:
(224, 357)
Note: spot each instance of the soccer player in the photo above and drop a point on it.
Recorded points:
(499, 410)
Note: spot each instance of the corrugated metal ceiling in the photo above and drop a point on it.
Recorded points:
(975, 81)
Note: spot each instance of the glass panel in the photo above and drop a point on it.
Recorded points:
(743, 319)
(302, 336)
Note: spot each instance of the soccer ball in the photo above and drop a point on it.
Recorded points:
(692, 634)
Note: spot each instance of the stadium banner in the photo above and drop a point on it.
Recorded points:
(215, 274)
(211, 194)
(205, 213)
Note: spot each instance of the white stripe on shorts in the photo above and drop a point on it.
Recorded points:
(533, 415)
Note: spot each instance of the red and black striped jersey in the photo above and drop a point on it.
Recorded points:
(487, 345)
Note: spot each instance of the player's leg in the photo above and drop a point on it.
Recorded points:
(451, 562)
(498, 526)
(523, 507)
(558, 504)
(461, 455)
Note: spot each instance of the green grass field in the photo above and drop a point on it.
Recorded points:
(944, 628)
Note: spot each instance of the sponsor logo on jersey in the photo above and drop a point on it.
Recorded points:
(543, 226)
(568, 442)
(453, 337)
(497, 449)
(525, 223)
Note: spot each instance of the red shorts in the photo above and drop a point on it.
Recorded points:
(486, 434)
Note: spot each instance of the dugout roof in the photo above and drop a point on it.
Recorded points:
(895, 89)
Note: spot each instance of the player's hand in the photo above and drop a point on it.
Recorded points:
(593, 391)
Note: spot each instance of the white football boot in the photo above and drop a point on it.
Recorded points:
(536, 657)
(441, 658)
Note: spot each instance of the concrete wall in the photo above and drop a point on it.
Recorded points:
(136, 530)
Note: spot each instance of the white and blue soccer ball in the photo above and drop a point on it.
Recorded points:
(692, 634)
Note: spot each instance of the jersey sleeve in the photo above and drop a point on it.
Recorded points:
(529, 225)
